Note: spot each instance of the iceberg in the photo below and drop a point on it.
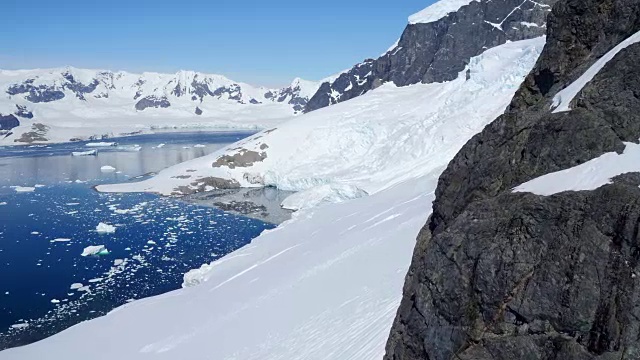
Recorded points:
(107, 169)
(95, 250)
(101, 144)
(23, 189)
(103, 228)
(85, 153)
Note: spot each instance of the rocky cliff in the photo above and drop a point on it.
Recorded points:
(504, 275)
(437, 51)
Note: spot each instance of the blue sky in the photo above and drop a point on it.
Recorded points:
(261, 42)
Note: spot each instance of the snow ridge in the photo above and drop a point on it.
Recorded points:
(563, 99)
(437, 11)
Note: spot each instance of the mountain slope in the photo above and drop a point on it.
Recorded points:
(362, 147)
(437, 45)
(499, 274)
(325, 284)
(74, 102)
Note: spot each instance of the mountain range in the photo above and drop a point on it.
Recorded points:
(68, 97)
(471, 194)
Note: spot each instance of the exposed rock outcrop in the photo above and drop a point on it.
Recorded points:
(501, 275)
(152, 102)
(8, 122)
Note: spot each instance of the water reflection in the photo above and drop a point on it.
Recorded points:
(27, 166)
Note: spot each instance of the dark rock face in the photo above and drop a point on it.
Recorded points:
(23, 112)
(78, 88)
(438, 51)
(152, 102)
(36, 94)
(538, 142)
(528, 277)
(233, 92)
(198, 111)
(48, 93)
(501, 275)
(291, 95)
(8, 122)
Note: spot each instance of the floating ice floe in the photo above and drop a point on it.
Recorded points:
(35, 233)
(103, 228)
(76, 286)
(118, 262)
(199, 146)
(21, 189)
(3, 203)
(101, 144)
(132, 148)
(20, 326)
(107, 168)
(85, 153)
(55, 301)
(60, 240)
(95, 250)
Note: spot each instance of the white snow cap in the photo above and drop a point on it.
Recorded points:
(437, 11)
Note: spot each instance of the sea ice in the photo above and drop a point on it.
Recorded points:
(101, 144)
(107, 168)
(95, 250)
(76, 286)
(85, 153)
(103, 228)
(21, 189)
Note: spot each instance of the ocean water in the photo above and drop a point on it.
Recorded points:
(46, 285)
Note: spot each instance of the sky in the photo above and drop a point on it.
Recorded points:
(255, 41)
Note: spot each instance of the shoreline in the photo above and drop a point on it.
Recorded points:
(144, 132)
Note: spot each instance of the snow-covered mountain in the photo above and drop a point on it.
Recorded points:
(495, 274)
(75, 103)
(437, 44)
(326, 284)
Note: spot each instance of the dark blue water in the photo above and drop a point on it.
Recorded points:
(44, 280)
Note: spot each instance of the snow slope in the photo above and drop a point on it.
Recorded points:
(587, 176)
(326, 284)
(368, 143)
(563, 99)
(80, 103)
(437, 11)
